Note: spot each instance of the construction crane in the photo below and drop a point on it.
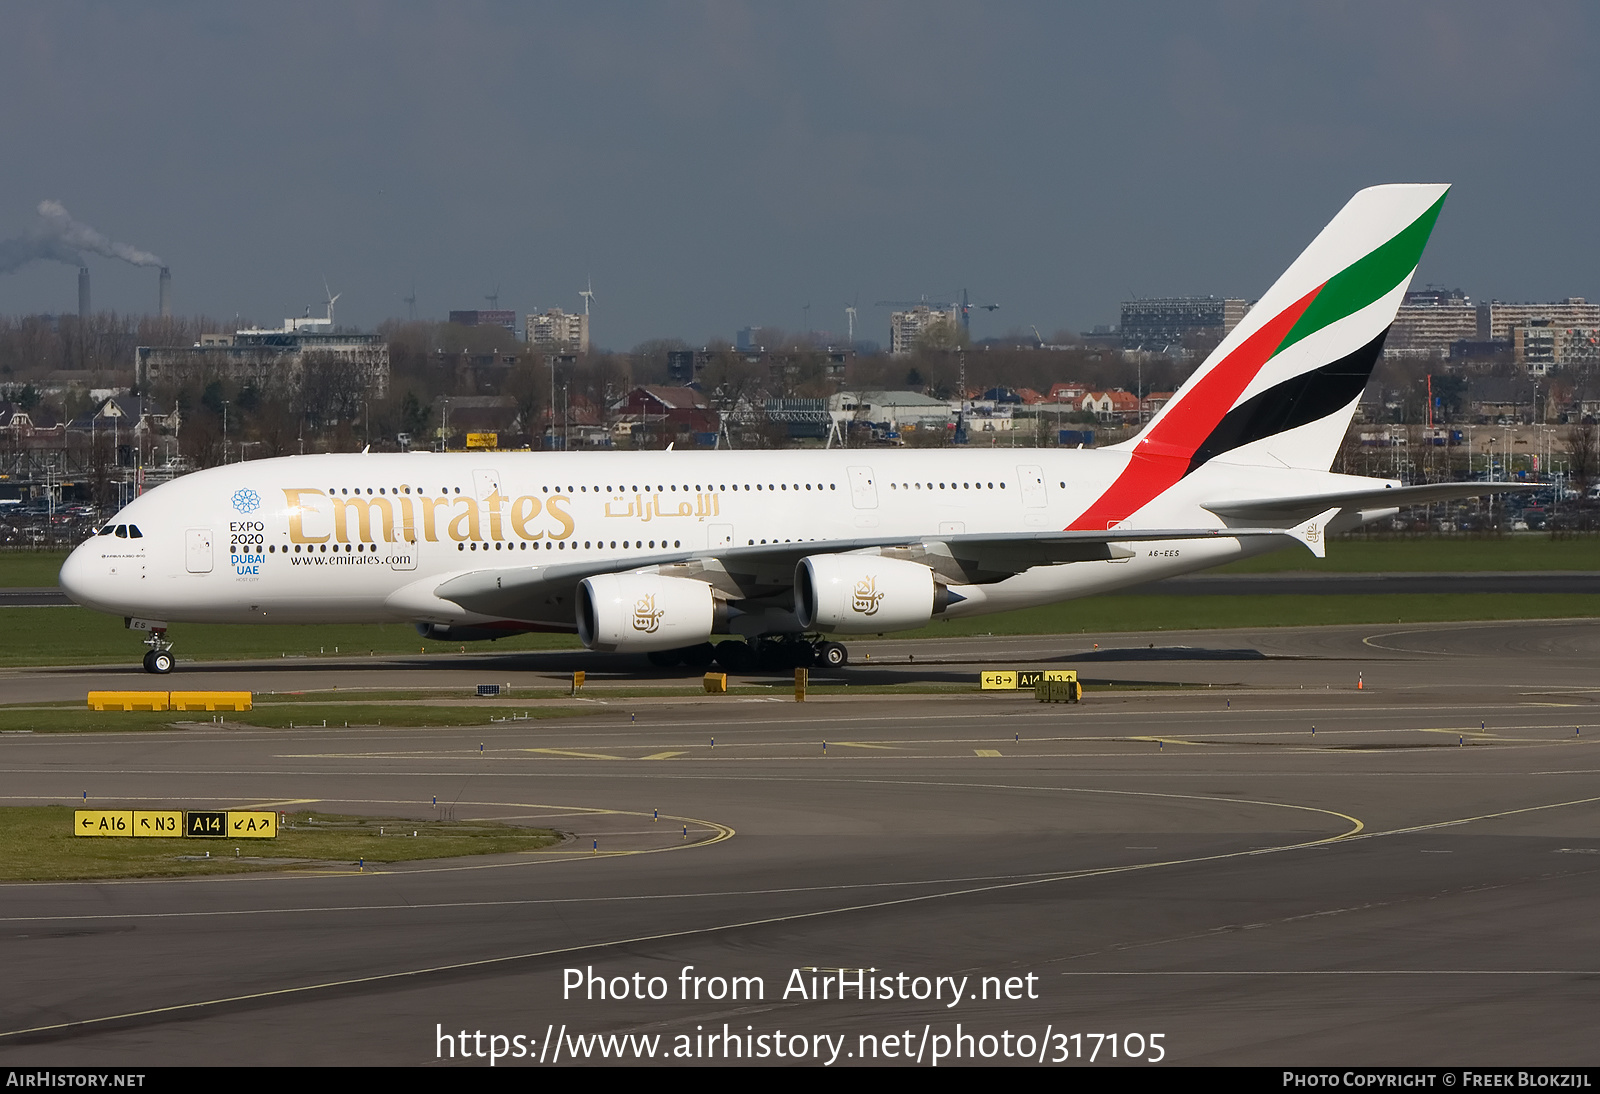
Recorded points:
(962, 307)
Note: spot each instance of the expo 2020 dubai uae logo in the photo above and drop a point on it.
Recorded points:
(246, 501)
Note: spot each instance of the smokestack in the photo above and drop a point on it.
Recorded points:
(166, 293)
(83, 294)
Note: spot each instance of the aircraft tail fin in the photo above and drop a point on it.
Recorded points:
(1281, 388)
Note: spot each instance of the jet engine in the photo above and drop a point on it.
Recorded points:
(865, 594)
(634, 613)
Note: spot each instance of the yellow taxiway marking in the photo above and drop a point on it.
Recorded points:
(1168, 740)
(664, 755)
(986, 752)
(864, 744)
(272, 805)
(573, 755)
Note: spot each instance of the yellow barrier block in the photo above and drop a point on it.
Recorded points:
(998, 680)
(716, 683)
(128, 700)
(158, 822)
(252, 825)
(102, 822)
(802, 678)
(210, 700)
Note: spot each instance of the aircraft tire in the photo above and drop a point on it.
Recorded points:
(832, 655)
(735, 656)
(161, 662)
(699, 656)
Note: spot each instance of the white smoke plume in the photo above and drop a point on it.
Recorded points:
(59, 238)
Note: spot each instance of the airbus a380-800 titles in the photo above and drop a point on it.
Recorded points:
(658, 552)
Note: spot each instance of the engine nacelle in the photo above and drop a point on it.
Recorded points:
(640, 612)
(864, 594)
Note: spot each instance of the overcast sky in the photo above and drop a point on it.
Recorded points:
(718, 165)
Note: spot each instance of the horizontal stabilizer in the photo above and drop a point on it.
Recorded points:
(1288, 510)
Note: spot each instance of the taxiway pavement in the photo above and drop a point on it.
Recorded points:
(1410, 882)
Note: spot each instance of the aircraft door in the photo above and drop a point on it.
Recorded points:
(197, 555)
(863, 491)
(485, 483)
(1031, 478)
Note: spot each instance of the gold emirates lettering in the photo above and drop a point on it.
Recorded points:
(371, 520)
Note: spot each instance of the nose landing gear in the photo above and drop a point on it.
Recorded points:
(159, 659)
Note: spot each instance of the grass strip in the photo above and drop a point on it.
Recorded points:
(37, 844)
(77, 636)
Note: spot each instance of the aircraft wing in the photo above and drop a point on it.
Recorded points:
(1288, 510)
(547, 593)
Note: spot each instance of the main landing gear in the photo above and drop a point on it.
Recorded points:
(771, 654)
(159, 660)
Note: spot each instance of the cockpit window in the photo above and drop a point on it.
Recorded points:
(122, 531)
(134, 533)
(107, 530)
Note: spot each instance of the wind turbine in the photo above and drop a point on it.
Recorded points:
(411, 302)
(332, 296)
(588, 296)
(850, 321)
(494, 298)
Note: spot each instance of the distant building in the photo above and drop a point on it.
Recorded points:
(1540, 346)
(267, 359)
(1495, 319)
(1488, 352)
(1158, 322)
(1429, 321)
(499, 317)
(897, 409)
(746, 339)
(1115, 405)
(659, 411)
(906, 327)
(685, 365)
(555, 329)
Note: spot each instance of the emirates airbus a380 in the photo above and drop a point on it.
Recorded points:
(659, 551)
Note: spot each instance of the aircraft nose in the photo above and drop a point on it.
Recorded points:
(78, 575)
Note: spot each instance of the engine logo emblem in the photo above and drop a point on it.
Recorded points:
(867, 596)
(246, 501)
(646, 616)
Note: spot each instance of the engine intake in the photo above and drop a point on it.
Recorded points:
(864, 594)
(634, 613)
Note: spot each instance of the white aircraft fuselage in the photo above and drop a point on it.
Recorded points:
(365, 538)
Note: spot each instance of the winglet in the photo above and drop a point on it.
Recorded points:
(1314, 532)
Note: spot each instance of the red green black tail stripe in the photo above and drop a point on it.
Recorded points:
(1203, 422)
